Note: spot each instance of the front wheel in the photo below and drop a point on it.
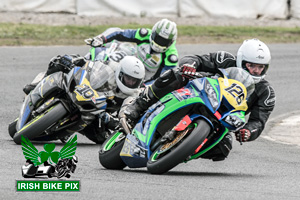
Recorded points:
(109, 153)
(168, 155)
(40, 123)
(12, 128)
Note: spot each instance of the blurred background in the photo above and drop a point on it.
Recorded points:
(254, 9)
(68, 22)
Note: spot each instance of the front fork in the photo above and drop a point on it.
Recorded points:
(182, 125)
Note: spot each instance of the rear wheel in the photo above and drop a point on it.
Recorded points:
(39, 124)
(170, 154)
(109, 153)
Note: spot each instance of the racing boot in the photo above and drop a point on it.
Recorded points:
(110, 122)
(137, 107)
(221, 150)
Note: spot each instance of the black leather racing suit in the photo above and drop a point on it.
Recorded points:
(260, 104)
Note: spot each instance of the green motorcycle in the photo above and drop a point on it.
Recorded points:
(183, 125)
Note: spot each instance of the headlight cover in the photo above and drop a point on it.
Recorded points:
(212, 95)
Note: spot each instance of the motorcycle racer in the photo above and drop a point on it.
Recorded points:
(155, 48)
(253, 56)
(115, 80)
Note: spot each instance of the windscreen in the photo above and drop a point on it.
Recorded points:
(242, 76)
(100, 74)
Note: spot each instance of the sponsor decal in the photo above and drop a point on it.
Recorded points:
(155, 58)
(270, 100)
(223, 55)
(260, 57)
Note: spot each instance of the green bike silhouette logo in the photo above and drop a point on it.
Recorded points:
(56, 163)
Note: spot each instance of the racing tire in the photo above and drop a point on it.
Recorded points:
(39, 124)
(109, 153)
(179, 152)
(12, 128)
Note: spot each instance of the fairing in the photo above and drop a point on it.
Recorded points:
(137, 145)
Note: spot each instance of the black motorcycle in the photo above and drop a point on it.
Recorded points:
(61, 104)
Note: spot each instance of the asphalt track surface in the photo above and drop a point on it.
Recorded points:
(267, 168)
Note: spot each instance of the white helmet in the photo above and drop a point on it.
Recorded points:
(254, 51)
(163, 34)
(130, 74)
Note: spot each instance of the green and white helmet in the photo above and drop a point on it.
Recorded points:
(164, 33)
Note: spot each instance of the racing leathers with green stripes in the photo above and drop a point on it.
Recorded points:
(155, 63)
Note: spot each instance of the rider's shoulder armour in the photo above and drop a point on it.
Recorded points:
(173, 58)
(143, 32)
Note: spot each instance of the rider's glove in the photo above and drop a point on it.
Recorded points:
(66, 61)
(60, 63)
(78, 61)
(97, 41)
(243, 135)
(188, 70)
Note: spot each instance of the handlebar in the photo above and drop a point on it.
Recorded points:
(197, 75)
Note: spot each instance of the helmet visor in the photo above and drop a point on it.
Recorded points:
(129, 81)
(255, 69)
(163, 42)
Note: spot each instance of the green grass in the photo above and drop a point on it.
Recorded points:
(234, 34)
(28, 34)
